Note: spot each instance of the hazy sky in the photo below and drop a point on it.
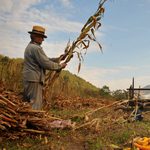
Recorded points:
(124, 36)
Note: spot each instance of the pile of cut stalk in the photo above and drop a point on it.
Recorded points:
(17, 118)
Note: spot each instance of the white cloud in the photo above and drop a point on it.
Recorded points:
(64, 25)
(142, 81)
(16, 6)
(116, 84)
(125, 82)
(6, 6)
(146, 66)
(100, 77)
(66, 3)
(127, 67)
(93, 75)
(54, 49)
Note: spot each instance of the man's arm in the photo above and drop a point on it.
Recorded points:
(48, 63)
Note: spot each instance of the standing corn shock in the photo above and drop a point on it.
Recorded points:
(36, 62)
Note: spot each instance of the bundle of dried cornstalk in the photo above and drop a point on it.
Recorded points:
(17, 118)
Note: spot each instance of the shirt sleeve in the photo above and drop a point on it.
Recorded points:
(45, 62)
(53, 59)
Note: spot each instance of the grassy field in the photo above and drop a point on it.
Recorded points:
(111, 131)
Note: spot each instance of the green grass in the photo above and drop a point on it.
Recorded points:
(96, 144)
(121, 137)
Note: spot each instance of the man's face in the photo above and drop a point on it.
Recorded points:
(38, 39)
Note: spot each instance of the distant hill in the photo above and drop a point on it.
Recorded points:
(147, 86)
(145, 91)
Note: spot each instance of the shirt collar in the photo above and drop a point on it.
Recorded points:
(32, 42)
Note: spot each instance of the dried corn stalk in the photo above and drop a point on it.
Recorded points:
(83, 41)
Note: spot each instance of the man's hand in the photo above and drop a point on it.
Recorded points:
(63, 65)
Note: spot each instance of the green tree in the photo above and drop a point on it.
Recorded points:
(5, 60)
(118, 95)
(104, 91)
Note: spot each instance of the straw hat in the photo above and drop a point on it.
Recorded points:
(39, 30)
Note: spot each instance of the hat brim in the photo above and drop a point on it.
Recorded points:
(37, 33)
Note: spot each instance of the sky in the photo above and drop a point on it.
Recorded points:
(124, 35)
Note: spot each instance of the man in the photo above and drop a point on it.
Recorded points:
(36, 62)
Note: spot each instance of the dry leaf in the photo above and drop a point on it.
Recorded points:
(78, 55)
(98, 25)
(79, 67)
(90, 37)
(92, 30)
